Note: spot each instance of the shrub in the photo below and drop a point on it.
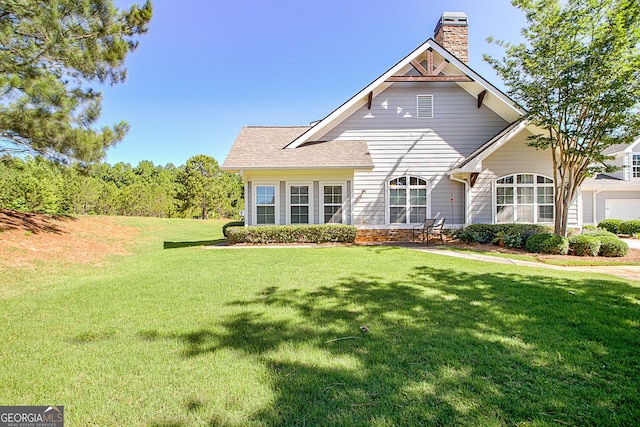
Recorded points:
(231, 224)
(548, 243)
(598, 232)
(511, 235)
(611, 225)
(612, 247)
(631, 227)
(584, 245)
(293, 234)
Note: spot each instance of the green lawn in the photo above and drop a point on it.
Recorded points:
(173, 335)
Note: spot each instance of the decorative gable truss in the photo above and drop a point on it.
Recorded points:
(429, 72)
(430, 62)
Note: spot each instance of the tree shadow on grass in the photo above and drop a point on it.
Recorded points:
(174, 245)
(445, 347)
(32, 222)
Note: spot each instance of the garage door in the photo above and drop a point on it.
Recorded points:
(622, 208)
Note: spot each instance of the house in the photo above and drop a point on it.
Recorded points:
(429, 138)
(615, 195)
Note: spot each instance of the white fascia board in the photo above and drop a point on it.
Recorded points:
(631, 146)
(475, 165)
(359, 99)
(506, 108)
(497, 101)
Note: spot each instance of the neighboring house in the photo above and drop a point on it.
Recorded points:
(429, 138)
(615, 195)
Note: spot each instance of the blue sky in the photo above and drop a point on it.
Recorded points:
(208, 67)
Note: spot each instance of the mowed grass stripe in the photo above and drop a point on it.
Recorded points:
(185, 336)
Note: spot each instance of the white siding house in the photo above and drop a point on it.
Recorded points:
(429, 138)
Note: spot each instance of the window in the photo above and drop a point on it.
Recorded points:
(332, 204)
(407, 200)
(299, 204)
(635, 165)
(524, 198)
(425, 107)
(265, 204)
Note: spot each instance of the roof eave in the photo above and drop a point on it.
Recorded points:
(500, 103)
(266, 168)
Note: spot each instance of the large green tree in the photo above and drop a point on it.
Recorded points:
(203, 186)
(577, 75)
(51, 52)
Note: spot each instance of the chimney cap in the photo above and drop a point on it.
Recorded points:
(458, 19)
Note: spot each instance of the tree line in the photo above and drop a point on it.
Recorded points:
(198, 188)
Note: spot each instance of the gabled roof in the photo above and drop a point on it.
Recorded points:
(497, 101)
(619, 149)
(473, 162)
(263, 148)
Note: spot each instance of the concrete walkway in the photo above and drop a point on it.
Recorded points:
(629, 272)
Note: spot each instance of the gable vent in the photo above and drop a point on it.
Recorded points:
(425, 107)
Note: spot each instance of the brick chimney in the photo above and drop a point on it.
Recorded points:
(452, 33)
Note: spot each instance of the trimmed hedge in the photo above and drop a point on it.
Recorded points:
(612, 247)
(511, 235)
(231, 224)
(548, 243)
(631, 227)
(584, 245)
(599, 233)
(611, 225)
(323, 233)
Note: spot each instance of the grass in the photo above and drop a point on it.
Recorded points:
(185, 336)
(585, 261)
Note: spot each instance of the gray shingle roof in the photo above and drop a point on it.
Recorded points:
(263, 148)
(612, 149)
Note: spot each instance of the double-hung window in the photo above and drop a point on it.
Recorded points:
(265, 204)
(524, 197)
(299, 204)
(407, 200)
(332, 199)
(635, 166)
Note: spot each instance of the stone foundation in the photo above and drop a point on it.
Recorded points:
(386, 235)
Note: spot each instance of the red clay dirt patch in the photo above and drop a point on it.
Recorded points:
(26, 238)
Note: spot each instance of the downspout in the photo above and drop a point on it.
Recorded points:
(593, 207)
(466, 198)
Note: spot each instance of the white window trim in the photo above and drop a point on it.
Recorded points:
(494, 198)
(254, 192)
(387, 201)
(433, 108)
(289, 184)
(345, 199)
(631, 177)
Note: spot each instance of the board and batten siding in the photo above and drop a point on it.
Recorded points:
(401, 144)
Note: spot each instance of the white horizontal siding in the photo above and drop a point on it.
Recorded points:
(401, 144)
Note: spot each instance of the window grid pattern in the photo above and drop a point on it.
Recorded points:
(524, 198)
(407, 200)
(635, 162)
(299, 204)
(332, 202)
(265, 204)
